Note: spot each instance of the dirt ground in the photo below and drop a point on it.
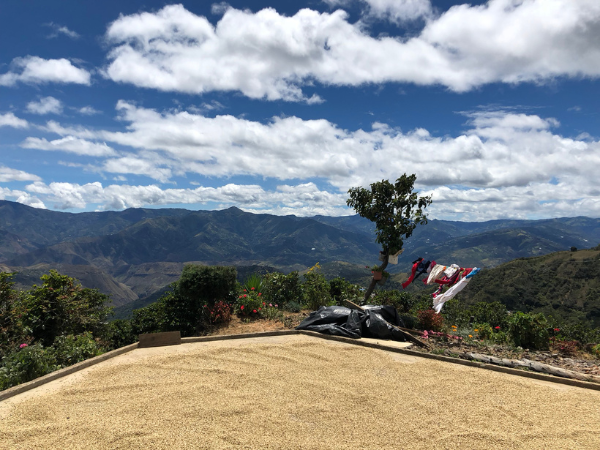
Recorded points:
(295, 392)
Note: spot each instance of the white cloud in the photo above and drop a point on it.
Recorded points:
(303, 199)
(399, 10)
(46, 105)
(88, 111)
(36, 70)
(10, 120)
(69, 144)
(61, 29)
(7, 174)
(268, 55)
(497, 161)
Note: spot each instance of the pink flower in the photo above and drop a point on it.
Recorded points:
(271, 304)
(259, 309)
(22, 345)
(276, 306)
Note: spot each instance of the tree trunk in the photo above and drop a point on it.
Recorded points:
(374, 281)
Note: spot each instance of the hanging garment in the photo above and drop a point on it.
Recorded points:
(474, 271)
(451, 275)
(440, 299)
(435, 273)
(419, 268)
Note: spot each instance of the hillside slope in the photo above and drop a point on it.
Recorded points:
(562, 284)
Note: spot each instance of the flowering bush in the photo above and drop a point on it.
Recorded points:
(430, 320)
(219, 313)
(566, 348)
(249, 303)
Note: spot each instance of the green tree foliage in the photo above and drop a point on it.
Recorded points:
(394, 208)
(11, 329)
(62, 306)
(315, 288)
(280, 289)
(529, 330)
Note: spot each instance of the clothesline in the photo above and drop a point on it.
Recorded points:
(453, 276)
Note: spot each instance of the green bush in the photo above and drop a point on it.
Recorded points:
(340, 290)
(219, 313)
(529, 330)
(12, 332)
(26, 364)
(254, 281)
(402, 301)
(151, 318)
(204, 285)
(119, 334)
(281, 289)
(293, 307)
(61, 306)
(249, 303)
(69, 350)
(315, 289)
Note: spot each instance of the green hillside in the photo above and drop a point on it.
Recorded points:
(565, 285)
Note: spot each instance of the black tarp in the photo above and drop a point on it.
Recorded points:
(374, 322)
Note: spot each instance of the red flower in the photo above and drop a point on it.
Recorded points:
(497, 328)
(242, 307)
(557, 329)
(259, 309)
(244, 290)
(253, 310)
(245, 296)
(240, 296)
(264, 303)
(251, 289)
(259, 294)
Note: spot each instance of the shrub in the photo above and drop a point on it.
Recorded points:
(340, 290)
(529, 330)
(219, 313)
(281, 289)
(596, 350)
(152, 318)
(12, 332)
(61, 306)
(409, 321)
(249, 303)
(25, 365)
(315, 288)
(203, 285)
(565, 348)
(119, 334)
(69, 350)
(271, 312)
(293, 307)
(430, 320)
(402, 301)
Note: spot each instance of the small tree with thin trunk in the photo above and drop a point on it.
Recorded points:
(396, 211)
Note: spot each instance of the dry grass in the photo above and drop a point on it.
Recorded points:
(302, 393)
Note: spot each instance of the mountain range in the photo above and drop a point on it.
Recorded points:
(134, 253)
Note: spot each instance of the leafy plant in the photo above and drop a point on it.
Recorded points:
(62, 306)
(565, 348)
(402, 301)
(281, 289)
(12, 332)
(69, 350)
(430, 320)
(249, 303)
(340, 290)
(293, 307)
(254, 281)
(315, 288)
(529, 330)
(220, 312)
(26, 364)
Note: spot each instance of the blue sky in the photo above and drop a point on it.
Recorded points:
(281, 107)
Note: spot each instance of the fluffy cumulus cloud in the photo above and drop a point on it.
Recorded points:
(36, 70)
(10, 120)
(45, 105)
(504, 161)
(304, 199)
(7, 174)
(69, 144)
(268, 55)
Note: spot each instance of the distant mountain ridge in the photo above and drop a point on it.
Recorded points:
(136, 252)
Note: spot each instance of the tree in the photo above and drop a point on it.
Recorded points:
(396, 211)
